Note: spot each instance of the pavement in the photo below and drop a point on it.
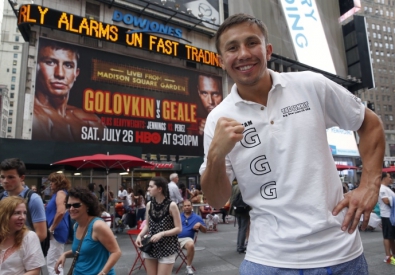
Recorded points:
(218, 253)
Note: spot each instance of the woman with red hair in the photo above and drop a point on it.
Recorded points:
(20, 249)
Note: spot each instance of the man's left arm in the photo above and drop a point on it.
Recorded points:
(362, 199)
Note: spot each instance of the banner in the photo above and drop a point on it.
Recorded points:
(86, 95)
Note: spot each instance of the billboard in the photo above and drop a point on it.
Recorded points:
(139, 39)
(86, 95)
(206, 11)
(342, 142)
(307, 33)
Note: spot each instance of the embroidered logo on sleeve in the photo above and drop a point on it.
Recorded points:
(295, 109)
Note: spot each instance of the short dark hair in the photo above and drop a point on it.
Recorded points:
(13, 163)
(384, 175)
(162, 183)
(238, 19)
(86, 197)
(55, 45)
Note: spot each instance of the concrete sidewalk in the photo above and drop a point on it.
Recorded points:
(219, 255)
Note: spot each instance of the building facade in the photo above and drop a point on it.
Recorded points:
(13, 49)
(380, 19)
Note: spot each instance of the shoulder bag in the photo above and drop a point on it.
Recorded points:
(147, 244)
(77, 252)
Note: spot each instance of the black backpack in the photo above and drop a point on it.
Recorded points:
(45, 243)
(239, 205)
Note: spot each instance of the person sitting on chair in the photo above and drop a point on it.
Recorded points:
(210, 214)
(190, 223)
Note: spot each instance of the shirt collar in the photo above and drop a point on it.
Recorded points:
(277, 81)
(21, 194)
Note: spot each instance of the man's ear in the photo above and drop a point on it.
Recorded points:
(221, 62)
(22, 177)
(77, 73)
(269, 51)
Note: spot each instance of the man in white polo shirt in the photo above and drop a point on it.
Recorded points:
(270, 134)
(386, 194)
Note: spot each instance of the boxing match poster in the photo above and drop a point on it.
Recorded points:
(87, 95)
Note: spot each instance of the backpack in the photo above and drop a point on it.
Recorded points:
(45, 243)
(239, 205)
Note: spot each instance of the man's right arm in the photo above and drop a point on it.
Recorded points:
(37, 212)
(41, 230)
(227, 133)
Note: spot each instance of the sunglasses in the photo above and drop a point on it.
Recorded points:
(74, 205)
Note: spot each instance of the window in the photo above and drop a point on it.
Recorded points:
(377, 97)
(92, 11)
(388, 98)
(14, 62)
(386, 118)
(375, 44)
(8, 70)
(384, 29)
(9, 129)
(10, 112)
(374, 35)
(378, 27)
(12, 95)
(373, 26)
(13, 78)
(389, 108)
(12, 86)
(14, 70)
(11, 103)
(15, 55)
(379, 36)
(16, 47)
(385, 37)
(384, 108)
(378, 107)
(9, 120)
(383, 97)
(17, 38)
(391, 117)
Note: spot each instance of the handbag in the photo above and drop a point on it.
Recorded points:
(147, 244)
(77, 252)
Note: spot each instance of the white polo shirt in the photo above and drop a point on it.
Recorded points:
(286, 171)
(385, 209)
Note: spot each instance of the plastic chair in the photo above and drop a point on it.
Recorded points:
(183, 257)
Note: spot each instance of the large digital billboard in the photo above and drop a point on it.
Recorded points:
(308, 36)
(86, 95)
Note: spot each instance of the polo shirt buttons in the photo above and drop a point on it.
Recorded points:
(262, 108)
(272, 122)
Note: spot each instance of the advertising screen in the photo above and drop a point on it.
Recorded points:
(308, 36)
(86, 95)
(342, 142)
(205, 10)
